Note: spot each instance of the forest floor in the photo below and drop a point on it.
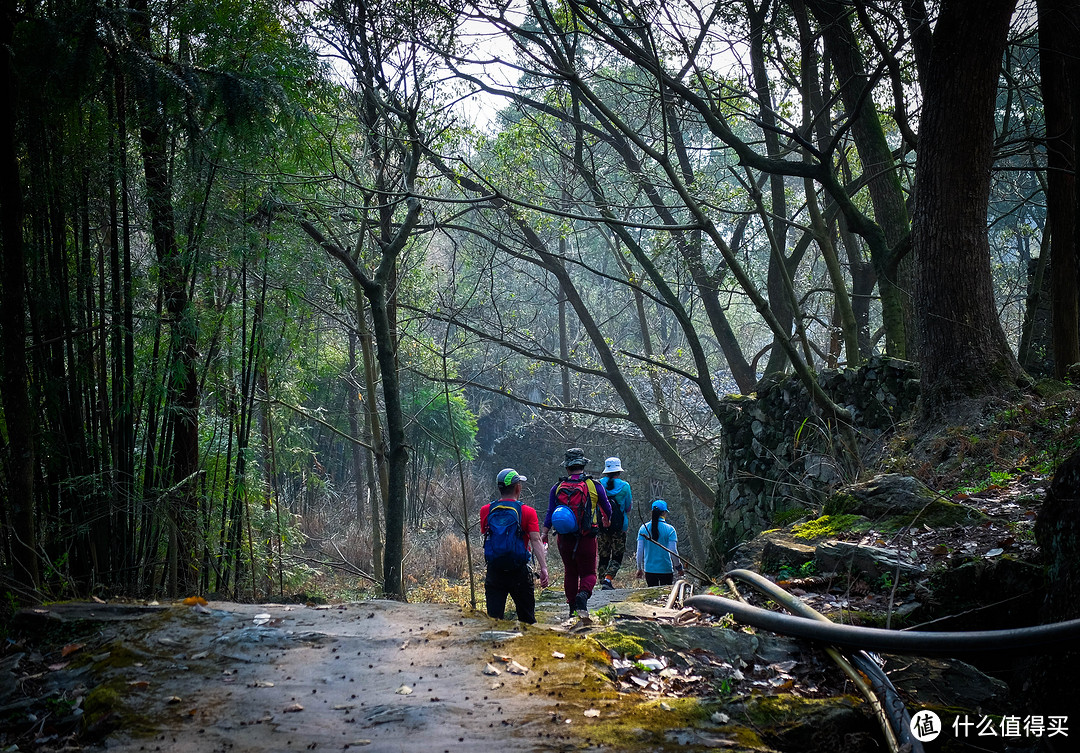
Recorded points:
(389, 676)
(375, 675)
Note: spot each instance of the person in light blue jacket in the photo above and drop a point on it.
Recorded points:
(658, 564)
(611, 543)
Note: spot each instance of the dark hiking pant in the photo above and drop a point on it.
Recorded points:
(518, 585)
(659, 579)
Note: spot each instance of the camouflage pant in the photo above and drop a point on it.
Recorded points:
(611, 547)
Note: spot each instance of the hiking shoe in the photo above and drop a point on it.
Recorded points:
(606, 585)
(581, 604)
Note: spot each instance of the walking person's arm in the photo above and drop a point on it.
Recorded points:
(546, 528)
(540, 553)
(640, 557)
(676, 560)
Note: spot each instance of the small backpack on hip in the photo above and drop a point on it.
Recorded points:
(504, 546)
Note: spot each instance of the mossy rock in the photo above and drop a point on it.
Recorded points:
(828, 526)
(654, 725)
(106, 709)
(1014, 589)
(628, 646)
(939, 513)
(731, 646)
(841, 503)
(789, 722)
(1050, 387)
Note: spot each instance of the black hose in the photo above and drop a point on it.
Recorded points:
(1037, 639)
(900, 717)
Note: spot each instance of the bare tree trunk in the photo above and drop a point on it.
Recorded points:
(1058, 32)
(355, 397)
(963, 347)
(376, 466)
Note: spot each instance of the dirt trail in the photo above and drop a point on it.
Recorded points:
(378, 675)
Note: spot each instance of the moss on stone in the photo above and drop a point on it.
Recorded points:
(841, 503)
(627, 645)
(939, 513)
(105, 707)
(825, 526)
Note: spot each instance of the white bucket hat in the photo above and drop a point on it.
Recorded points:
(613, 465)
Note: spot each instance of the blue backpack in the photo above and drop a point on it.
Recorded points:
(504, 547)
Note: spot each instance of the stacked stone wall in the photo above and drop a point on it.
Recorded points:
(778, 454)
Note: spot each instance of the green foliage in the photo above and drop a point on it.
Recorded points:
(605, 613)
(805, 570)
(782, 518)
(434, 430)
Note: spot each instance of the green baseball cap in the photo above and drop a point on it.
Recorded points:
(509, 477)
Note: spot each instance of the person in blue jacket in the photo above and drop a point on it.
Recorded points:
(658, 563)
(611, 543)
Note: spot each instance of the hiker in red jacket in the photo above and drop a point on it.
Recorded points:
(577, 507)
(510, 530)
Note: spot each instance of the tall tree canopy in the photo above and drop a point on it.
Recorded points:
(258, 261)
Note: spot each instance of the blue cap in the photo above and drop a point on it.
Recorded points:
(508, 477)
(660, 505)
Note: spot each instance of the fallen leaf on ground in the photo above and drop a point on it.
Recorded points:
(592, 713)
(517, 669)
(491, 669)
(173, 699)
(293, 707)
(193, 600)
(261, 618)
(71, 648)
(558, 654)
(404, 690)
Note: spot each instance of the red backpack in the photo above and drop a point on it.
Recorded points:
(580, 496)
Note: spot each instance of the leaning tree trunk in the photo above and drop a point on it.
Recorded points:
(963, 349)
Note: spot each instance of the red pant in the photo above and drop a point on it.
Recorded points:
(579, 561)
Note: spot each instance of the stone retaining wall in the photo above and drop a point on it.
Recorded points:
(777, 454)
